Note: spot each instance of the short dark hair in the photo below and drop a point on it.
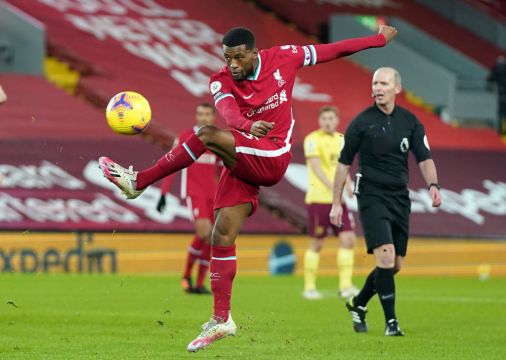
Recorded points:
(239, 36)
(331, 108)
(206, 105)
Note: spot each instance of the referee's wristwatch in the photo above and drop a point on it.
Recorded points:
(436, 185)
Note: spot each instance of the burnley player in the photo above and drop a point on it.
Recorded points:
(253, 93)
(321, 149)
(198, 186)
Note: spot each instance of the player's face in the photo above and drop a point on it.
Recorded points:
(240, 61)
(204, 115)
(384, 88)
(328, 121)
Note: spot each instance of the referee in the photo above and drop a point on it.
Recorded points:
(383, 134)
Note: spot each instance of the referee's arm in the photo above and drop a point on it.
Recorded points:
(336, 214)
(352, 139)
(428, 169)
(427, 166)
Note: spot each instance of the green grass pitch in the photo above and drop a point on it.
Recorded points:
(148, 317)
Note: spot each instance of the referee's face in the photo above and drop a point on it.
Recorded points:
(328, 121)
(384, 88)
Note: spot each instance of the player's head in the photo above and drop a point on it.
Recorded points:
(240, 52)
(205, 114)
(328, 119)
(386, 84)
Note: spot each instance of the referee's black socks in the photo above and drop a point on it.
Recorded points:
(367, 291)
(385, 286)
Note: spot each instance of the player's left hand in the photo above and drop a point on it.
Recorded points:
(389, 32)
(261, 128)
(435, 195)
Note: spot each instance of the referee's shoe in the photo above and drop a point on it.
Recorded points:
(357, 316)
(392, 328)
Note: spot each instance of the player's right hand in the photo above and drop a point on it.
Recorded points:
(261, 128)
(389, 32)
(336, 215)
(161, 204)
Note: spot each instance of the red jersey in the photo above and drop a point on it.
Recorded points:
(267, 94)
(199, 179)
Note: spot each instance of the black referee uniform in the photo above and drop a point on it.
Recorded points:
(383, 141)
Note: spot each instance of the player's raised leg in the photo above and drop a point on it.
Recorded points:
(222, 272)
(133, 183)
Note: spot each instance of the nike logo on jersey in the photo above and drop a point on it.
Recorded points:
(248, 97)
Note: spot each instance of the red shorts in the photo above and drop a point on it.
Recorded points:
(260, 162)
(200, 207)
(319, 220)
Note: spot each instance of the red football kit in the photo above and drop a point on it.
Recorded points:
(267, 95)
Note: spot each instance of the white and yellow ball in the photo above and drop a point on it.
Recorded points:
(128, 113)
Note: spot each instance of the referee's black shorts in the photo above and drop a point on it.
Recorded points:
(385, 219)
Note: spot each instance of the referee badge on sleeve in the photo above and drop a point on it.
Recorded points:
(404, 145)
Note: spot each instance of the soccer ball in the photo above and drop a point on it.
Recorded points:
(128, 113)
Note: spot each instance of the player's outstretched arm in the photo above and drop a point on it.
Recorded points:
(389, 32)
(336, 50)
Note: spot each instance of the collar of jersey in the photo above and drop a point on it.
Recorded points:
(391, 114)
(324, 133)
(257, 70)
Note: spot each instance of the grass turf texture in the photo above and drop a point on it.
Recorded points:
(148, 317)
